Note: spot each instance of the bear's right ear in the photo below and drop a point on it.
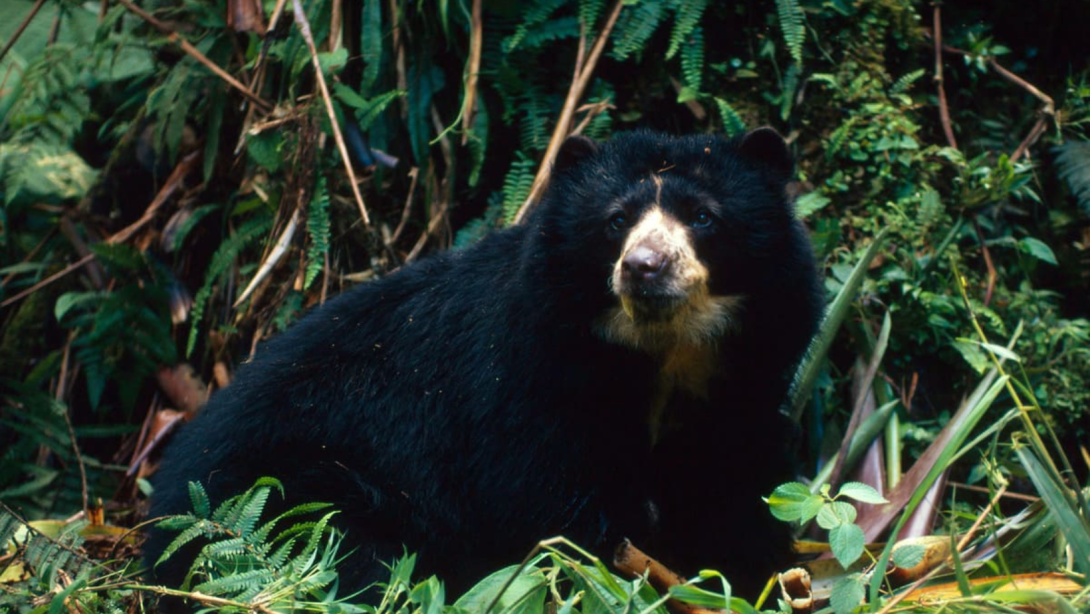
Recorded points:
(574, 150)
(765, 145)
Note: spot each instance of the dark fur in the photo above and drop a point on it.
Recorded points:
(465, 408)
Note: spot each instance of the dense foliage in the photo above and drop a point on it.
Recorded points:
(180, 179)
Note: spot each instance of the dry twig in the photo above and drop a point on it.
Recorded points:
(304, 28)
(944, 109)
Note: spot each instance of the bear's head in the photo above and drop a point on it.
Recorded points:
(672, 234)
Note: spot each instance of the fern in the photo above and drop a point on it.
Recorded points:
(636, 25)
(533, 15)
(732, 122)
(839, 137)
(537, 110)
(589, 10)
(791, 22)
(51, 102)
(686, 22)
(516, 185)
(1073, 163)
(692, 61)
(901, 85)
(251, 563)
(222, 260)
(557, 29)
(318, 230)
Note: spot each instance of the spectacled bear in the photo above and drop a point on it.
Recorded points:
(611, 368)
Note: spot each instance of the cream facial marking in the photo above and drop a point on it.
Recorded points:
(682, 311)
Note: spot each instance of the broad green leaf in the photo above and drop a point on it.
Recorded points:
(1038, 249)
(861, 492)
(786, 502)
(847, 542)
(847, 594)
(908, 555)
(835, 514)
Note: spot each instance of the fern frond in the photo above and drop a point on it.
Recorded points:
(636, 25)
(791, 22)
(236, 582)
(589, 10)
(222, 260)
(839, 137)
(517, 184)
(198, 496)
(1073, 163)
(537, 111)
(197, 529)
(535, 14)
(732, 122)
(688, 14)
(692, 60)
(318, 231)
(901, 85)
(557, 29)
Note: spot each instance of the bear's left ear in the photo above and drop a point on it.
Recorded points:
(766, 146)
(574, 150)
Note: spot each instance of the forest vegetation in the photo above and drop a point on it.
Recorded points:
(181, 179)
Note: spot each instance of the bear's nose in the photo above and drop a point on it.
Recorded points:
(643, 263)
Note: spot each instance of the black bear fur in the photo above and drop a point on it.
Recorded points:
(469, 405)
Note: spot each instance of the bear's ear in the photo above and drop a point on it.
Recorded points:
(766, 146)
(574, 150)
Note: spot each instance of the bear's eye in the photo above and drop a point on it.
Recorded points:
(703, 219)
(618, 221)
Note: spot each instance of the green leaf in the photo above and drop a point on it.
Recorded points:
(847, 542)
(1071, 524)
(786, 502)
(1038, 249)
(846, 594)
(70, 300)
(971, 352)
(908, 555)
(809, 203)
(861, 492)
(836, 513)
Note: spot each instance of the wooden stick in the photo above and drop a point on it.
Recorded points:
(304, 27)
(944, 110)
(473, 67)
(630, 560)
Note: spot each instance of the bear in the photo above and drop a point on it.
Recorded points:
(613, 367)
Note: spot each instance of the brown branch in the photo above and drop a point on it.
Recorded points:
(583, 73)
(304, 28)
(634, 563)
(22, 27)
(1048, 110)
(473, 67)
(195, 54)
(992, 274)
(944, 109)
